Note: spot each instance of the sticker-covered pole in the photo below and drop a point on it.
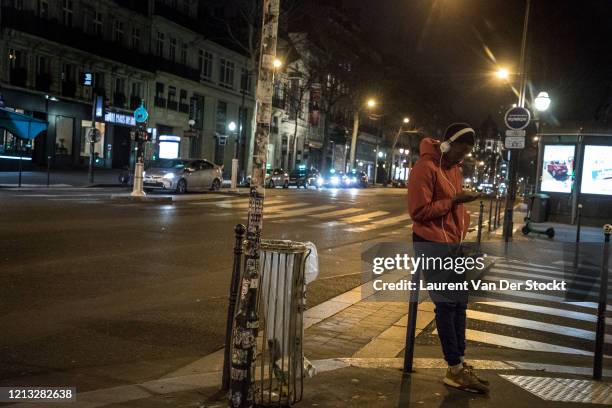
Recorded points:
(247, 320)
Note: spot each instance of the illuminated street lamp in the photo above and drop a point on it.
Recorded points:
(542, 101)
(234, 177)
(502, 73)
(277, 63)
(406, 120)
(371, 103)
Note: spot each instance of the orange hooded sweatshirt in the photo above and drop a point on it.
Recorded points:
(431, 187)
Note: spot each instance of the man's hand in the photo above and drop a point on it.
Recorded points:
(465, 197)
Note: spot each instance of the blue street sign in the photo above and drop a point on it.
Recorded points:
(140, 114)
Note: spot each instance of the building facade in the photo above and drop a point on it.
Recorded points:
(62, 53)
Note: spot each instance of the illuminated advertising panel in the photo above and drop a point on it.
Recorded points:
(558, 168)
(597, 170)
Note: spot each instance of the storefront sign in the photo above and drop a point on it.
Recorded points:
(119, 118)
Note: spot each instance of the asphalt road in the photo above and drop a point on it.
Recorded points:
(97, 292)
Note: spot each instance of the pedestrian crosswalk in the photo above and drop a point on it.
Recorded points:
(536, 321)
(286, 209)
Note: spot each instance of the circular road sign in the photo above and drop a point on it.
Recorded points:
(517, 118)
(140, 114)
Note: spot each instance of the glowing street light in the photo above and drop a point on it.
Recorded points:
(502, 73)
(231, 126)
(277, 63)
(406, 120)
(401, 150)
(542, 101)
(371, 103)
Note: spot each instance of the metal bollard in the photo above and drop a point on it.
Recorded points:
(413, 306)
(601, 309)
(239, 231)
(480, 215)
(499, 209)
(578, 222)
(490, 212)
(48, 170)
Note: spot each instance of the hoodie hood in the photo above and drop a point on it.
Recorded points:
(430, 149)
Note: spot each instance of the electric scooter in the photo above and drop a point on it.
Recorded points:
(529, 225)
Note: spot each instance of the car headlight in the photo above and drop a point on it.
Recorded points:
(169, 176)
(320, 181)
(334, 180)
(353, 180)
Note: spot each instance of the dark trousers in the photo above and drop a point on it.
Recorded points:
(450, 307)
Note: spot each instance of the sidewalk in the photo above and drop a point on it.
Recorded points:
(60, 178)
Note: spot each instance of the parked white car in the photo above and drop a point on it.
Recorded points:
(182, 175)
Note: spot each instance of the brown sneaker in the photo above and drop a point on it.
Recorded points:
(471, 368)
(465, 380)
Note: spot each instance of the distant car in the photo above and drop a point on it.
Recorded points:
(358, 179)
(557, 169)
(332, 178)
(182, 175)
(302, 177)
(277, 178)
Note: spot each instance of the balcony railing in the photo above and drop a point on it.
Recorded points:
(159, 102)
(19, 76)
(135, 102)
(43, 82)
(69, 89)
(119, 100)
(278, 102)
(173, 105)
(52, 30)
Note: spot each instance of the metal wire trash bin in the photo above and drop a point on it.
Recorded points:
(279, 365)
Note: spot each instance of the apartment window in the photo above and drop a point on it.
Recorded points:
(98, 24)
(221, 118)
(43, 8)
(160, 101)
(161, 38)
(42, 65)
(136, 94)
(205, 63)
(172, 103)
(119, 94)
(136, 38)
(196, 110)
(172, 55)
(186, 7)
(184, 53)
(67, 10)
(226, 74)
(118, 32)
(245, 80)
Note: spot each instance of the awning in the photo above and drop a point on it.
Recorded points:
(22, 126)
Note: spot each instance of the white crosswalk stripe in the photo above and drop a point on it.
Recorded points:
(400, 221)
(335, 214)
(516, 309)
(363, 217)
(300, 212)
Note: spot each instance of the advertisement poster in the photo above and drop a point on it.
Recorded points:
(558, 168)
(597, 170)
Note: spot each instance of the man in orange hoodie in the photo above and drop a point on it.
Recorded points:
(440, 223)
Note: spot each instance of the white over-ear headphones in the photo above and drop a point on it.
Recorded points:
(446, 145)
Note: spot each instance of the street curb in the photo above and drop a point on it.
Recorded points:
(145, 199)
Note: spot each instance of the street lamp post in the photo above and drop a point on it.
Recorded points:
(512, 161)
(370, 103)
(232, 128)
(405, 121)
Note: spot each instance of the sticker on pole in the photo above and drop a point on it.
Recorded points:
(517, 118)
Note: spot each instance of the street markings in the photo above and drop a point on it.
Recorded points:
(297, 213)
(519, 343)
(528, 320)
(334, 214)
(399, 221)
(364, 217)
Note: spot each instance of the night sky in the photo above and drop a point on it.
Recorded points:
(456, 43)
